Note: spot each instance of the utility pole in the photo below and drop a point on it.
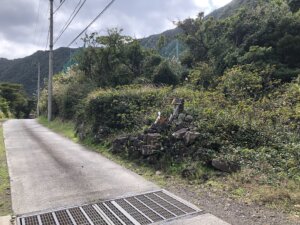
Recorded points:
(50, 64)
(38, 90)
(177, 49)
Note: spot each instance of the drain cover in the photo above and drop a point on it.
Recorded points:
(148, 208)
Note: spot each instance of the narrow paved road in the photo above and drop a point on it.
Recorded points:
(49, 171)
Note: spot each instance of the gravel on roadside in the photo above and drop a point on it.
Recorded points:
(230, 210)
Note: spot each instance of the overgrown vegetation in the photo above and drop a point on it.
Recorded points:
(241, 85)
(14, 102)
(5, 201)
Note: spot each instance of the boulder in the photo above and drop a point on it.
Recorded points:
(152, 138)
(189, 173)
(158, 173)
(102, 133)
(135, 142)
(103, 130)
(157, 128)
(190, 137)
(225, 166)
(181, 117)
(147, 150)
(152, 159)
(80, 131)
(189, 118)
(180, 133)
(119, 144)
(133, 146)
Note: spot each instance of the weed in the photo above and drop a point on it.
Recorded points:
(5, 200)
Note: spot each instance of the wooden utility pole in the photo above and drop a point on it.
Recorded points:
(50, 64)
(38, 90)
(177, 49)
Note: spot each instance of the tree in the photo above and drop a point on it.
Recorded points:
(4, 107)
(150, 63)
(266, 34)
(17, 100)
(133, 57)
(288, 49)
(164, 75)
(202, 76)
(294, 5)
(194, 36)
(161, 42)
(113, 59)
(239, 83)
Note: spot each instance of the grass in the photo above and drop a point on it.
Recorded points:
(5, 198)
(64, 128)
(250, 189)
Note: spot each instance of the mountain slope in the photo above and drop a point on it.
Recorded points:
(169, 49)
(232, 7)
(24, 70)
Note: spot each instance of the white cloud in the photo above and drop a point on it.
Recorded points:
(219, 3)
(21, 36)
(14, 50)
(210, 5)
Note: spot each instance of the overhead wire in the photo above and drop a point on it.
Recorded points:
(48, 31)
(37, 20)
(62, 2)
(48, 36)
(45, 30)
(97, 17)
(71, 18)
(38, 39)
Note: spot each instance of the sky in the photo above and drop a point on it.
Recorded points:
(24, 23)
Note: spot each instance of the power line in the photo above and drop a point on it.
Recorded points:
(97, 17)
(37, 21)
(38, 90)
(48, 35)
(39, 32)
(43, 30)
(61, 3)
(71, 18)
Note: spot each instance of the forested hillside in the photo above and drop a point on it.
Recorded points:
(24, 70)
(232, 8)
(238, 85)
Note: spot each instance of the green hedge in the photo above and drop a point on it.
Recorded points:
(127, 108)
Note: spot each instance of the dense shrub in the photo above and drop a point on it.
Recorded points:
(202, 76)
(125, 109)
(238, 83)
(165, 75)
(14, 101)
(69, 89)
(4, 108)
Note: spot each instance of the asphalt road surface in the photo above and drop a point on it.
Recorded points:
(48, 171)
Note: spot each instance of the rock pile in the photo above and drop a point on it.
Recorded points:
(176, 136)
(161, 136)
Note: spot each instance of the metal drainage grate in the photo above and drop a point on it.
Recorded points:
(149, 208)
